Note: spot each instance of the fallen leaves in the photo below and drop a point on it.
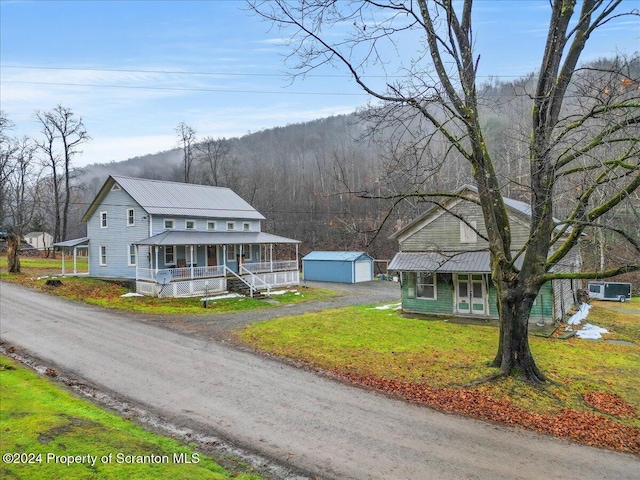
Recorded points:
(610, 403)
(584, 427)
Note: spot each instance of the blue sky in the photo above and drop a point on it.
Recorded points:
(134, 69)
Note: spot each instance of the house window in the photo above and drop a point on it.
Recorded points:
(246, 226)
(189, 224)
(231, 225)
(211, 225)
(132, 255)
(468, 232)
(231, 253)
(103, 256)
(103, 219)
(169, 255)
(168, 224)
(426, 286)
(131, 217)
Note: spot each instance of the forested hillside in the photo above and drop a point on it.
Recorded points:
(310, 180)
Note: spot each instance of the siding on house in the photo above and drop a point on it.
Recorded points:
(444, 302)
(117, 236)
(442, 231)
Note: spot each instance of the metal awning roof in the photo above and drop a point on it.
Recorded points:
(446, 262)
(182, 237)
(72, 243)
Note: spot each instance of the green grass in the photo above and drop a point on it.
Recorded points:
(440, 354)
(109, 294)
(47, 423)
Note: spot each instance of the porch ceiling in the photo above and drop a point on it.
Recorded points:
(450, 262)
(181, 237)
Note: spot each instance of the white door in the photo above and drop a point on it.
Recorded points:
(363, 271)
(470, 294)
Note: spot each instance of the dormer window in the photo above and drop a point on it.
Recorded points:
(246, 226)
(211, 225)
(189, 225)
(168, 224)
(231, 225)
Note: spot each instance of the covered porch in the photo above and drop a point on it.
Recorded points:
(183, 263)
(73, 248)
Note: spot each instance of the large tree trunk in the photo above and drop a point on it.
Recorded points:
(514, 354)
(13, 253)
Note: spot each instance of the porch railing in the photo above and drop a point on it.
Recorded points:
(256, 283)
(183, 273)
(276, 266)
(189, 273)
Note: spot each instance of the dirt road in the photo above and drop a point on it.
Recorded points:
(319, 426)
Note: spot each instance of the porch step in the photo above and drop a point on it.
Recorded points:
(238, 286)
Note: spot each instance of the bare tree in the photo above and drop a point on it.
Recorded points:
(22, 198)
(63, 134)
(186, 136)
(439, 88)
(8, 147)
(216, 156)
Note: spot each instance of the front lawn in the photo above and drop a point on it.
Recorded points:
(36, 271)
(592, 394)
(45, 428)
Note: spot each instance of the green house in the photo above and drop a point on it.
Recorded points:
(444, 265)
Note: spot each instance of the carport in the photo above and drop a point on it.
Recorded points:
(341, 267)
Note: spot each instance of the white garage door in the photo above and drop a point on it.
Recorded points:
(363, 271)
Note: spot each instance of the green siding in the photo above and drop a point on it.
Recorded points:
(443, 303)
(542, 309)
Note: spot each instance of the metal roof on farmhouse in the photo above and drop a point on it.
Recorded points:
(449, 262)
(334, 256)
(185, 237)
(159, 197)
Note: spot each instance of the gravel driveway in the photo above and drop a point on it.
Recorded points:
(219, 326)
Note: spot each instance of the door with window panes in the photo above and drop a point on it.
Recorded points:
(470, 294)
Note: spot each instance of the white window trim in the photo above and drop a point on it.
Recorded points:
(187, 221)
(104, 219)
(173, 223)
(173, 247)
(102, 259)
(468, 233)
(231, 253)
(233, 226)
(246, 226)
(133, 216)
(215, 225)
(135, 256)
(434, 284)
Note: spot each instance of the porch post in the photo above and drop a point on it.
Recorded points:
(137, 261)
(62, 250)
(191, 259)
(271, 257)
(297, 248)
(75, 264)
(224, 258)
(155, 247)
